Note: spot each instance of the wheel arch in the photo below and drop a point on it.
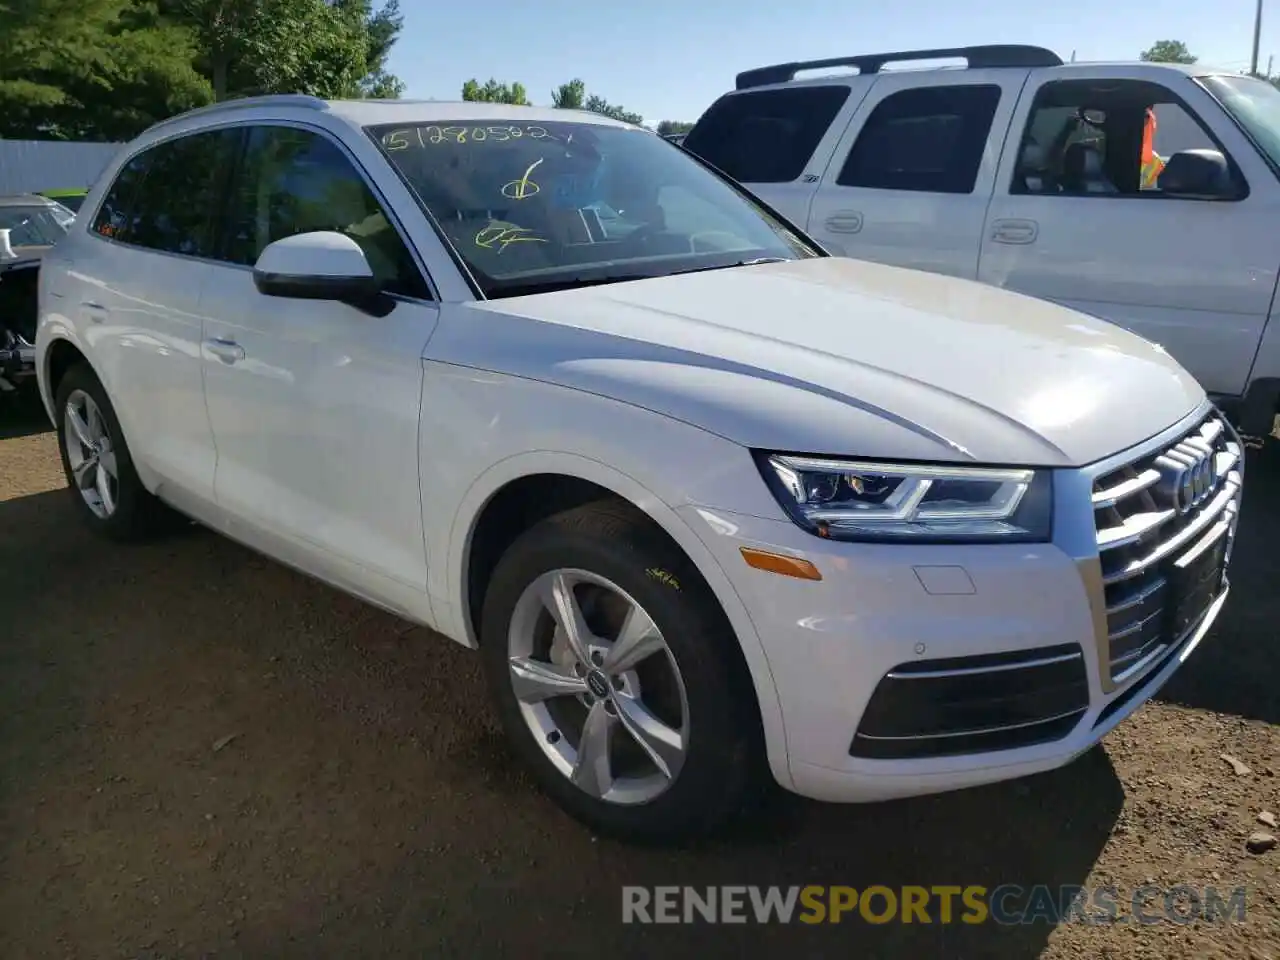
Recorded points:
(64, 351)
(580, 479)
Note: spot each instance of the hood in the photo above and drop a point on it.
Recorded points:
(842, 357)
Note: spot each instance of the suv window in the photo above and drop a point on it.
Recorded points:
(293, 181)
(928, 139)
(766, 136)
(184, 182)
(1095, 138)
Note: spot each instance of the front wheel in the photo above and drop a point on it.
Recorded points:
(617, 677)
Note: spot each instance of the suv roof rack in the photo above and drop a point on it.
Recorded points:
(242, 103)
(993, 55)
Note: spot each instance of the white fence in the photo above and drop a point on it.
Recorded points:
(27, 166)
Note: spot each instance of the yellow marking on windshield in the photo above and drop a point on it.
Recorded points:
(523, 188)
(503, 235)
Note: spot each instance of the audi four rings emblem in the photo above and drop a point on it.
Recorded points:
(1187, 473)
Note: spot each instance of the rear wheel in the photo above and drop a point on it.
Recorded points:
(617, 677)
(96, 460)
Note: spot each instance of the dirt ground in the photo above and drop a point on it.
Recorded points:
(365, 805)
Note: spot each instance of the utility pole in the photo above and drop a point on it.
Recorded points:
(1270, 60)
(1073, 56)
(1257, 36)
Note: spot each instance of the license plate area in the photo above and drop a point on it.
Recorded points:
(1197, 579)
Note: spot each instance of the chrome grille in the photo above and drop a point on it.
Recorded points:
(1165, 522)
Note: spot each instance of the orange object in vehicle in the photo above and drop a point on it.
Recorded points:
(1152, 163)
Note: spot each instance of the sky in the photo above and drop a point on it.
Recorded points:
(669, 59)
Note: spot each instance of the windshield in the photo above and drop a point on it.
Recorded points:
(33, 226)
(1255, 105)
(532, 207)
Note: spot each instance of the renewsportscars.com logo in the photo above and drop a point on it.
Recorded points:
(1006, 904)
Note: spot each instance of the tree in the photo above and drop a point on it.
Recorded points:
(573, 96)
(92, 69)
(570, 96)
(667, 127)
(1168, 51)
(328, 48)
(495, 92)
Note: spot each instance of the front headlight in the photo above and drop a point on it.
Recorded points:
(861, 500)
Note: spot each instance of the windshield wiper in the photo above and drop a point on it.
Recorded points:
(562, 283)
(739, 263)
(527, 287)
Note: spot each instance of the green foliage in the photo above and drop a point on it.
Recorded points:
(84, 69)
(1168, 51)
(570, 96)
(495, 92)
(327, 48)
(573, 96)
(106, 69)
(667, 127)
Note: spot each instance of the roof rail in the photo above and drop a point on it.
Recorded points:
(243, 103)
(994, 55)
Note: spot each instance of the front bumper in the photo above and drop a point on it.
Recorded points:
(851, 654)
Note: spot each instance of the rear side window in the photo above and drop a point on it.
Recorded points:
(176, 209)
(929, 139)
(113, 215)
(766, 136)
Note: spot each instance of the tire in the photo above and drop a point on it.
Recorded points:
(133, 513)
(702, 786)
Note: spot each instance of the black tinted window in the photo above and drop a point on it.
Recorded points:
(113, 215)
(766, 136)
(185, 185)
(293, 181)
(929, 139)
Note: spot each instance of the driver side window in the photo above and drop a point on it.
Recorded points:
(1113, 138)
(294, 181)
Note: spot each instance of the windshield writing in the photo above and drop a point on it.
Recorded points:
(532, 206)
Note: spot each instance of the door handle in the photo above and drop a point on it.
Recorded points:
(1015, 231)
(228, 351)
(844, 221)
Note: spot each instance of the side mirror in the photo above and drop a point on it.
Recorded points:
(1198, 175)
(322, 265)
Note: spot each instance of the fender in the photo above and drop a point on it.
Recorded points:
(455, 624)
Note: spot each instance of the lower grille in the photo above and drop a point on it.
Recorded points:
(943, 707)
(1165, 523)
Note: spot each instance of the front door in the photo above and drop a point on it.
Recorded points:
(1074, 220)
(314, 404)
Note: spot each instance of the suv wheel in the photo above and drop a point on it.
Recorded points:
(97, 464)
(617, 677)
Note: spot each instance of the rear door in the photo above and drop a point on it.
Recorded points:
(136, 281)
(1073, 221)
(777, 140)
(911, 177)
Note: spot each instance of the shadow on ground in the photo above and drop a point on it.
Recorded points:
(22, 414)
(202, 752)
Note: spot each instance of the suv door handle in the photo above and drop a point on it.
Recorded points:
(1015, 231)
(844, 221)
(228, 351)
